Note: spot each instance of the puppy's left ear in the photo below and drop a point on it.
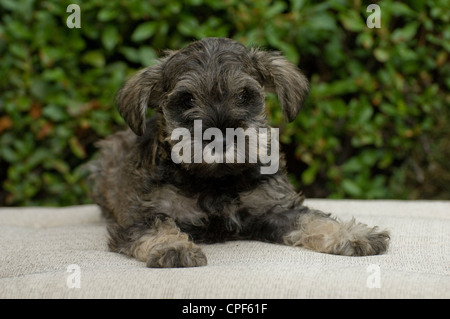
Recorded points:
(282, 77)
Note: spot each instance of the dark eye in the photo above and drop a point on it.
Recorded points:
(189, 100)
(185, 100)
(245, 96)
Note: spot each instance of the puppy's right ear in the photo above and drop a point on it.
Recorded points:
(142, 90)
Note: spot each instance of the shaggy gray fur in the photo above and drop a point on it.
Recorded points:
(159, 210)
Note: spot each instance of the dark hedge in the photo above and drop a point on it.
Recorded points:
(376, 124)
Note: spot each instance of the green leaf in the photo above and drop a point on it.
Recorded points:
(310, 173)
(110, 37)
(324, 21)
(353, 165)
(351, 188)
(107, 14)
(35, 158)
(366, 40)
(56, 74)
(144, 31)
(8, 154)
(19, 50)
(352, 21)
(188, 26)
(12, 5)
(406, 33)
(381, 55)
(94, 58)
(49, 55)
(147, 55)
(274, 9)
(131, 54)
(398, 8)
(58, 165)
(77, 148)
(54, 112)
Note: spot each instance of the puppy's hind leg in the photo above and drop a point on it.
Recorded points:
(160, 245)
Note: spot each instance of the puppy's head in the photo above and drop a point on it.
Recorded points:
(217, 81)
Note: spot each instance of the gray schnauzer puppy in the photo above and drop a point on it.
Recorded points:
(160, 209)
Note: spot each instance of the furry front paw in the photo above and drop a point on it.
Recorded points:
(327, 235)
(176, 255)
(360, 240)
(364, 242)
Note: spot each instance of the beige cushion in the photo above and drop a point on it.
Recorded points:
(37, 245)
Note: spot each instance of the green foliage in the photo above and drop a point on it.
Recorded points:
(376, 124)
